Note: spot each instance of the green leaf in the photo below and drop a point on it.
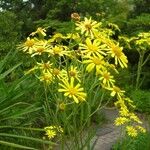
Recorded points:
(16, 145)
(3, 75)
(27, 138)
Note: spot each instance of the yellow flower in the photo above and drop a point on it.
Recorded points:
(72, 91)
(39, 48)
(88, 26)
(124, 111)
(135, 118)
(58, 50)
(56, 73)
(119, 56)
(74, 36)
(46, 77)
(44, 67)
(62, 106)
(141, 129)
(106, 78)
(121, 120)
(131, 131)
(94, 62)
(74, 73)
(90, 47)
(39, 31)
(28, 45)
(57, 37)
(50, 133)
(64, 74)
(116, 91)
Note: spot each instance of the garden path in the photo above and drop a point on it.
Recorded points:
(107, 134)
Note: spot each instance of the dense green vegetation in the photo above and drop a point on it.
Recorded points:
(23, 114)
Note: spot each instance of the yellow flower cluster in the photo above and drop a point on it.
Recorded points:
(133, 131)
(52, 131)
(89, 51)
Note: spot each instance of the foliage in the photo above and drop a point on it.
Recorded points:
(142, 100)
(16, 110)
(141, 6)
(138, 55)
(142, 45)
(9, 32)
(138, 24)
(141, 142)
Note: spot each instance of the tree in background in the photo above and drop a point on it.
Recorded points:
(9, 31)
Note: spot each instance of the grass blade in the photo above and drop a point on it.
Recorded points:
(16, 145)
(27, 138)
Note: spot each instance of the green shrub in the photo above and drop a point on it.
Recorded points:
(142, 100)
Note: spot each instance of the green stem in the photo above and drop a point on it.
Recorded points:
(139, 70)
(146, 59)
(46, 100)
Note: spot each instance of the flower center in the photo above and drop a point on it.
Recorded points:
(46, 78)
(40, 49)
(93, 48)
(72, 73)
(97, 61)
(46, 65)
(29, 43)
(116, 89)
(56, 71)
(88, 26)
(57, 50)
(72, 91)
(117, 52)
(106, 76)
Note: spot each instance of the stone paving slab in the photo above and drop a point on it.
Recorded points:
(108, 134)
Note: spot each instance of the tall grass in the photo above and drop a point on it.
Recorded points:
(19, 112)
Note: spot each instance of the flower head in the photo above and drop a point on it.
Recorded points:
(39, 31)
(88, 27)
(119, 56)
(141, 129)
(52, 131)
(28, 45)
(39, 48)
(121, 120)
(56, 72)
(72, 91)
(106, 78)
(46, 77)
(74, 73)
(94, 62)
(131, 131)
(62, 106)
(44, 67)
(58, 50)
(57, 37)
(116, 91)
(92, 47)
